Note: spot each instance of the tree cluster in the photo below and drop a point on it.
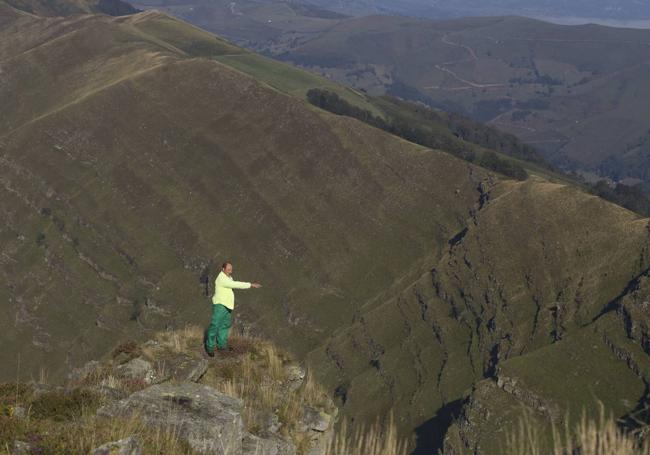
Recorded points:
(402, 124)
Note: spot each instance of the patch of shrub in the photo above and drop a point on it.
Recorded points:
(11, 429)
(41, 240)
(412, 130)
(492, 161)
(64, 405)
(129, 349)
(13, 393)
(331, 102)
(631, 197)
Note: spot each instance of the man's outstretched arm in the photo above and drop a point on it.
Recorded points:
(239, 284)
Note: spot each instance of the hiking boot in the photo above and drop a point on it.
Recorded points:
(209, 353)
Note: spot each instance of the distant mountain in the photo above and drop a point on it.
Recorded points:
(577, 93)
(603, 9)
(253, 23)
(138, 152)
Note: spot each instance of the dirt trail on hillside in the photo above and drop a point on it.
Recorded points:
(472, 58)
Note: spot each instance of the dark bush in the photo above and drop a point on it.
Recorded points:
(41, 239)
(631, 197)
(494, 162)
(64, 405)
(12, 393)
(408, 125)
(130, 349)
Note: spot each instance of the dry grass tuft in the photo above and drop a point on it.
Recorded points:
(186, 339)
(256, 372)
(600, 436)
(82, 435)
(375, 439)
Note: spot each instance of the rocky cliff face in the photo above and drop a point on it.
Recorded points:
(478, 311)
(604, 363)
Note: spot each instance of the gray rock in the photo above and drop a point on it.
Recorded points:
(208, 420)
(320, 443)
(137, 368)
(295, 375)
(315, 420)
(318, 427)
(254, 445)
(19, 412)
(186, 368)
(128, 446)
(21, 447)
(271, 422)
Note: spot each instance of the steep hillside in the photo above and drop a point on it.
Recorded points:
(136, 156)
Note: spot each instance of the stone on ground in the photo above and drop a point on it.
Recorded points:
(127, 446)
(208, 420)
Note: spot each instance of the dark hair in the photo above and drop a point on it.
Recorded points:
(223, 266)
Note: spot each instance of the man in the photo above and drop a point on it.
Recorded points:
(223, 302)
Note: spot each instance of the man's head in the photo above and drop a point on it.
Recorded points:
(227, 268)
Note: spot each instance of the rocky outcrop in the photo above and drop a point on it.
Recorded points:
(208, 420)
(138, 369)
(634, 311)
(255, 445)
(315, 420)
(295, 376)
(127, 446)
(318, 427)
(186, 368)
(257, 400)
(528, 397)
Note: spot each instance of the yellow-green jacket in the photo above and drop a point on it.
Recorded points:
(223, 287)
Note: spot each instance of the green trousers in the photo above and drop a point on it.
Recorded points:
(217, 332)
